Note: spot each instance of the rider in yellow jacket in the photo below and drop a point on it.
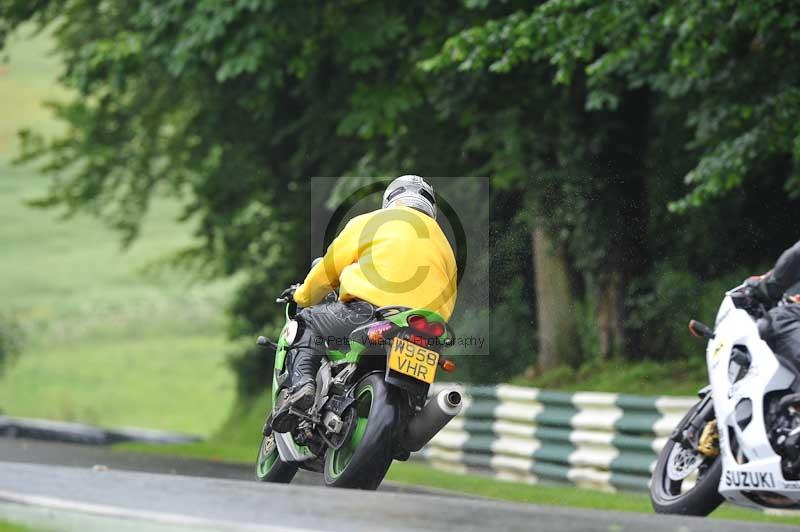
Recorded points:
(397, 256)
(394, 256)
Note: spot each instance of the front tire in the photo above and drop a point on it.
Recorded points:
(666, 487)
(363, 461)
(269, 466)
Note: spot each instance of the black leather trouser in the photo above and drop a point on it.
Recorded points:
(322, 327)
(782, 330)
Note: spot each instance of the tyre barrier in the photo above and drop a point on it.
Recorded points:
(592, 440)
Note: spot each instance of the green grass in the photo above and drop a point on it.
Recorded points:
(677, 377)
(163, 382)
(104, 341)
(11, 527)
(421, 475)
(236, 440)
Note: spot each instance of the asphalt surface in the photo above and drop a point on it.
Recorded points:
(171, 500)
(86, 456)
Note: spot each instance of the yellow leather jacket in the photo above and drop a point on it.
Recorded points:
(395, 256)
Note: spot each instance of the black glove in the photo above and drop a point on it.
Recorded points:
(288, 294)
(756, 290)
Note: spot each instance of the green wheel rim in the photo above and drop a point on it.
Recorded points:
(266, 460)
(341, 458)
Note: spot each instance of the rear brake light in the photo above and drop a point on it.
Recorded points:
(421, 324)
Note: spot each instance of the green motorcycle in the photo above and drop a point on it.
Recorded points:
(372, 404)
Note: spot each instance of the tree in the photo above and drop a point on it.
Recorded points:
(585, 113)
(555, 302)
(231, 107)
(730, 63)
(585, 185)
(725, 64)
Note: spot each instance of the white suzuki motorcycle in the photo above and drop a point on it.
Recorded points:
(741, 441)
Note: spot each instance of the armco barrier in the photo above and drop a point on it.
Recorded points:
(61, 431)
(594, 440)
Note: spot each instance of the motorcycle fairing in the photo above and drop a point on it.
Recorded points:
(761, 471)
(288, 450)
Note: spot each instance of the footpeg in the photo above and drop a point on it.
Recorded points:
(302, 415)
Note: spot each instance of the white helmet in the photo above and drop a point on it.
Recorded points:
(411, 191)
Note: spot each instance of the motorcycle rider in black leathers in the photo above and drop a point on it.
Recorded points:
(781, 328)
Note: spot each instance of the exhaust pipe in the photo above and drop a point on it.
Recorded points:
(431, 419)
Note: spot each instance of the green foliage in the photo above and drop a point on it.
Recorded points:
(714, 57)
(233, 441)
(642, 93)
(588, 333)
(682, 376)
(253, 367)
(587, 113)
(511, 331)
(661, 306)
(230, 107)
(226, 106)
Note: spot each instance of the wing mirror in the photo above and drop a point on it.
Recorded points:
(700, 330)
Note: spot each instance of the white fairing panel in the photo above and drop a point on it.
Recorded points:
(762, 470)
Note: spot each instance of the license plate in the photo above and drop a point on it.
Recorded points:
(412, 360)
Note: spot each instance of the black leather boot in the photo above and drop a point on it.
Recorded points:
(302, 394)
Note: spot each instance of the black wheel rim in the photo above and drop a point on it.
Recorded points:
(339, 459)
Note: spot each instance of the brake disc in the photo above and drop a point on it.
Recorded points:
(682, 462)
(269, 445)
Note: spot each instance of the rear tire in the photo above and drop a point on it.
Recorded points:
(363, 461)
(666, 494)
(269, 466)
